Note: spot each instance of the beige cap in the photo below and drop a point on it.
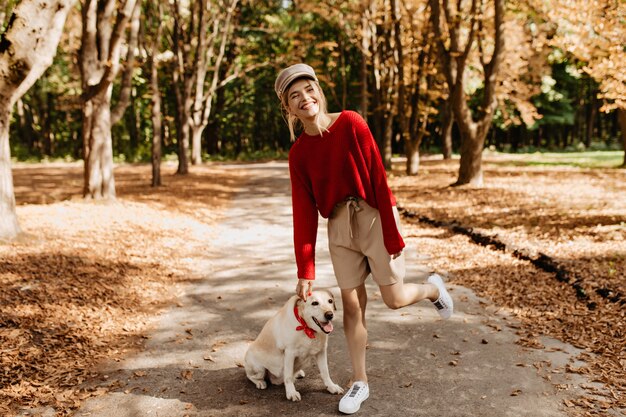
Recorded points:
(290, 74)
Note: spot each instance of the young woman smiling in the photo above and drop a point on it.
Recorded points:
(336, 171)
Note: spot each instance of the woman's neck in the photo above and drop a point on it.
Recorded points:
(311, 128)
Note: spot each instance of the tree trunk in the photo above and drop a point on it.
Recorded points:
(387, 140)
(196, 144)
(103, 30)
(183, 140)
(155, 17)
(473, 132)
(446, 131)
(9, 227)
(412, 159)
(412, 151)
(99, 182)
(156, 125)
(48, 134)
(27, 48)
(621, 118)
(470, 169)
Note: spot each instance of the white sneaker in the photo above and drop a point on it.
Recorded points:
(351, 402)
(444, 303)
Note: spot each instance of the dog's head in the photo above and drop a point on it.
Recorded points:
(319, 310)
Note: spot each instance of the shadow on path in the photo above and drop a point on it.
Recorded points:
(418, 364)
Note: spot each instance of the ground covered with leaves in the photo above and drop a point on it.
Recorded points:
(85, 281)
(549, 246)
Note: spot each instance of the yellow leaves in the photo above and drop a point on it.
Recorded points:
(594, 32)
(331, 45)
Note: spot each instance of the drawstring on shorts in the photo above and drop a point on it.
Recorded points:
(352, 206)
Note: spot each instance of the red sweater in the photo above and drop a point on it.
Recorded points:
(326, 169)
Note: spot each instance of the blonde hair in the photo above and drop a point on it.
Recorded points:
(293, 121)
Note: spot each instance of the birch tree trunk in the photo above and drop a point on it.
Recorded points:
(103, 31)
(27, 48)
(9, 226)
(99, 182)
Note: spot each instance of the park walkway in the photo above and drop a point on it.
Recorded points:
(418, 364)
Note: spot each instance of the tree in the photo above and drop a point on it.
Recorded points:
(421, 88)
(454, 57)
(200, 39)
(154, 15)
(103, 33)
(27, 48)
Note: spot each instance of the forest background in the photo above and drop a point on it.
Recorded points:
(193, 80)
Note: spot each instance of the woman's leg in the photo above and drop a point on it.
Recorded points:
(400, 295)
(354, 304)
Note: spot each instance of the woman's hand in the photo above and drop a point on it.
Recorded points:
(304, 288)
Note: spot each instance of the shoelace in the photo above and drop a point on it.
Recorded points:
(354, 391)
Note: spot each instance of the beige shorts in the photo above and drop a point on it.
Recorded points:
(357, 248)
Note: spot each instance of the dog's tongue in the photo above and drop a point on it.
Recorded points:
(328, 327)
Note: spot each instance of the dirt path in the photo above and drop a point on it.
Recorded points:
(418, 364)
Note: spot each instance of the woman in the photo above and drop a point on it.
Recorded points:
(336, 170)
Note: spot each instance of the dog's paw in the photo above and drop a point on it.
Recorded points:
(294, 396)
(261, 384)
(334, 389)
(300, 374)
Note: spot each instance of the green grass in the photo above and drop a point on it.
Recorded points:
(585, 159)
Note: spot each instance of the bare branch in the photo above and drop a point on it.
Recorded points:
(111, 64)
(133, 42)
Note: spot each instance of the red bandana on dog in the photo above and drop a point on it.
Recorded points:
(303, 326)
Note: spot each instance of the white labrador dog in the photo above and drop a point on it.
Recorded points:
(297, 333)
